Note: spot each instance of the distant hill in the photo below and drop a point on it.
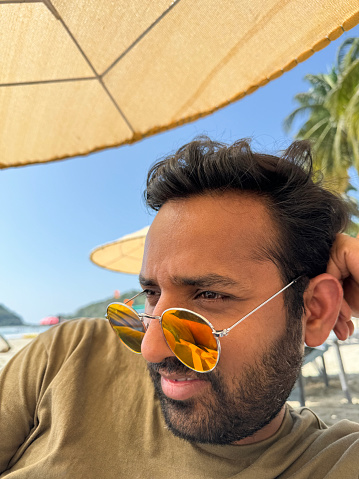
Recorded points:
(92, 310)
(8, 318)
(98, 309)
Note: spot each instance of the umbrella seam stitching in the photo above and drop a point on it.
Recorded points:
(140, 37)
(97, 75)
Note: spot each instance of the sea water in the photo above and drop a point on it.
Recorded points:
(21, 330)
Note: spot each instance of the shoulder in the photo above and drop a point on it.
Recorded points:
(307, 423)
(324, 450)
(78, 334)
(86, 340)
(76, 330)
(308, 420)
(74, 347)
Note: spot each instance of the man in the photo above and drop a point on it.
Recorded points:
(235, 280)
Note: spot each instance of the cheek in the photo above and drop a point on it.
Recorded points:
(235, 353)
(245, 344)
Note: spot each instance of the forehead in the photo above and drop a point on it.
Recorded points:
(208, 234)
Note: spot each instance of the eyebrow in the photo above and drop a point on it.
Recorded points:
(203, 281)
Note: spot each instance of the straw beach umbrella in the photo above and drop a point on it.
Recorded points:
(123, 255)
(77, 77)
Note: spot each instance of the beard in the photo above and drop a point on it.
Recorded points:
(240, 406)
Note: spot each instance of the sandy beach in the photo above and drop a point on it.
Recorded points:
(16, 345)
(328, 402)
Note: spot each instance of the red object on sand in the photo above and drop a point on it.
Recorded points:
(50, 320)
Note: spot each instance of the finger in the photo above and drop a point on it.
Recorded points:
(344, 327)
(344, 265)
(337, 265)
(351, 295)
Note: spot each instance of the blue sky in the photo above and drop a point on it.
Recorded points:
(54, 214)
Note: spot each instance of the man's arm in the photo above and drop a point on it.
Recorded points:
(344, 265)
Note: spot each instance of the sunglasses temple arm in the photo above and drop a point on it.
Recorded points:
(224, 332)
(133, 297)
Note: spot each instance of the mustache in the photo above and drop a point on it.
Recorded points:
(173, 365)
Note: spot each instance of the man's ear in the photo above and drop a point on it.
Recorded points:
(322, 301)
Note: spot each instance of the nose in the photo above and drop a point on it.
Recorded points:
(154, 347)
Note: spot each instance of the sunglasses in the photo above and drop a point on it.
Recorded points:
(190, 336)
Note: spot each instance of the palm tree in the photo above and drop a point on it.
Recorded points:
(331, 116)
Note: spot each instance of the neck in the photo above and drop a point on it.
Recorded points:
(264, 433)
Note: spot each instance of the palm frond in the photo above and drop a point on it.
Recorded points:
(348, 52)
(316, 116)
(301, 111)
(347, 86)
(351, 118)
(331, 78)
(355, 150)
(319, 82)
(311, 132)
(321, 141)
(338, 146)
(342, 53)
(311, 97)
(328, 114)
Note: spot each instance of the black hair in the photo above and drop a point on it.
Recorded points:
(306, 214)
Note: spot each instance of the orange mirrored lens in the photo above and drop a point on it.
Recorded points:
(190, 339)
(126, 325)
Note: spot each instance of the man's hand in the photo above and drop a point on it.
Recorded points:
(344, 265)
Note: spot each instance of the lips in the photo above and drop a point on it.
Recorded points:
(182, 388)
(184, 379)
(177, 376)
(174, 380)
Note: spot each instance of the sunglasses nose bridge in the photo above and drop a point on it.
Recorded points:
(151, 316)
(144, 316)
(154, 347)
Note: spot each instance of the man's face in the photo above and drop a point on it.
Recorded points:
(203, 254)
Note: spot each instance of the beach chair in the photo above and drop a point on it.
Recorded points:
(311, 355)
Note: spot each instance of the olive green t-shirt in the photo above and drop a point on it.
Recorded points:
(75, 403)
